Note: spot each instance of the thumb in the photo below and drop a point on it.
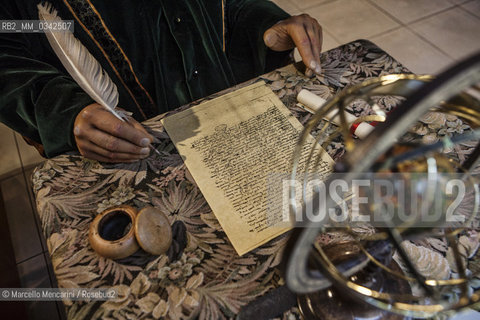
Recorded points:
(270, 37)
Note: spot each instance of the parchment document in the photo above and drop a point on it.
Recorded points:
(231, 145)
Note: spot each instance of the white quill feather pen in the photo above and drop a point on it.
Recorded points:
(80, 64)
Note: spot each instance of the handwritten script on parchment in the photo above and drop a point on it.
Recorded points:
(231, 146)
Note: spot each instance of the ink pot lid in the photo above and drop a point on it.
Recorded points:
(120, 231)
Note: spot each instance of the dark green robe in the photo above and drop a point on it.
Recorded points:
(160, 53)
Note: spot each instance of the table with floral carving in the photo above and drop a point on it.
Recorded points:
(208, 279)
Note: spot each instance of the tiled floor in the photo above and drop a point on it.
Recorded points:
(30, 249)
(425, 35)
(15, 153)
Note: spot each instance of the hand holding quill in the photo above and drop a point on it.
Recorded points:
(102, 132)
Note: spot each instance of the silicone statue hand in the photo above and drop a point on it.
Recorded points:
(101, 136)
(301, 31)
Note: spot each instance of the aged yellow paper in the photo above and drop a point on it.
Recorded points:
(233, 146)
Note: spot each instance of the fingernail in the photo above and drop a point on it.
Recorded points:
(318, 69)
(145, 151)
(313, 65)
(144, 142)
(269, 39)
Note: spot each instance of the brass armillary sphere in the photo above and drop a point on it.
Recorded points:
(387, 150)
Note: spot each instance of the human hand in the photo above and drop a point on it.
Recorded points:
(301, 31)
(102, 136)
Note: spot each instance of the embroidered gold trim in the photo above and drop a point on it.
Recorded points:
(223, 23)
(121, 50)
(104, 54)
